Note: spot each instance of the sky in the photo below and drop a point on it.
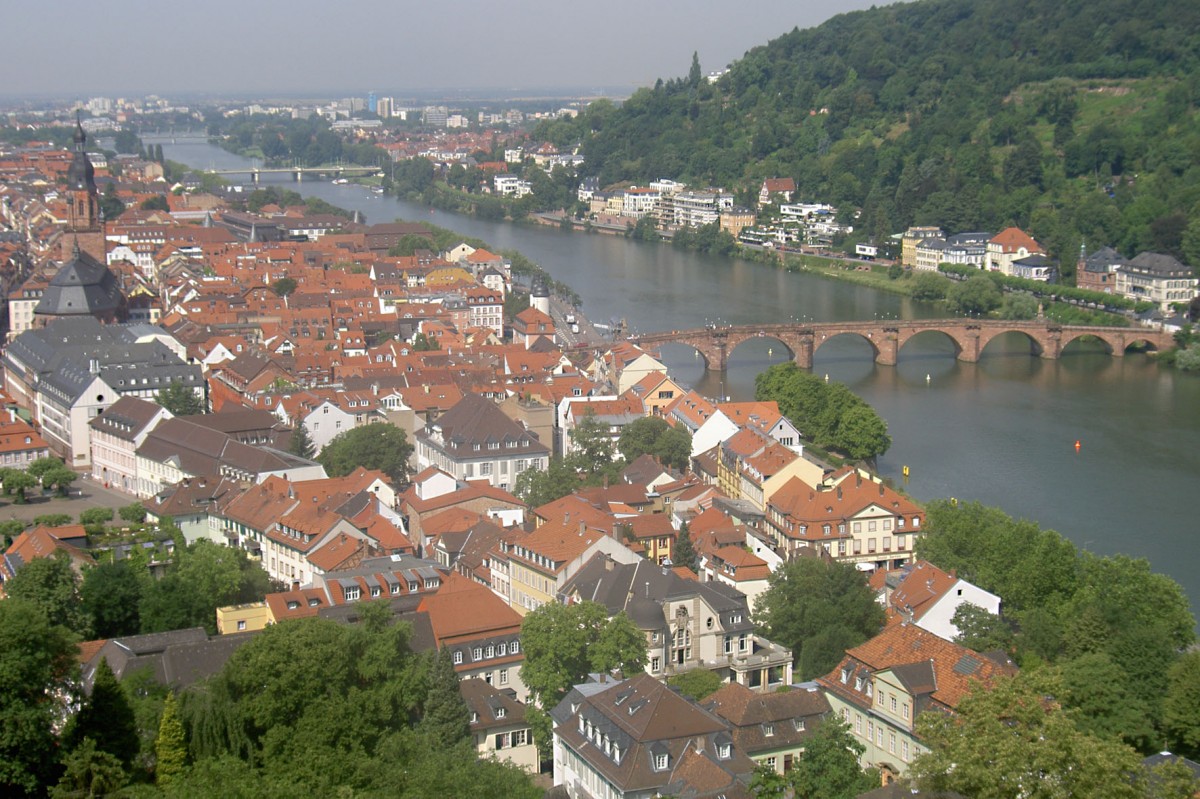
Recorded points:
(317, 47)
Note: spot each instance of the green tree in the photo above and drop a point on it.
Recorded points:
(111, 206)
(1013, 739)
(89, 771)
(52, 519)
(408, 244)
(16, 483)
(1018, 306)
(134, 512)
(180, 400)
(1180, 720)
(383, 447)
(829, 768)
(424, 343)
(156, 203)
(95, 517)
(564, 643)
(536, 488)
(52, 585)
(696, 684)
(929, 286)
(110, 595)
(592, 446)
(284, 286)
(977, 295)
(170, 749)
(10, 529)
(204, 577)
(818, 609)
(60, 479)
(301, 444)
(639, 437)
(1097, 695)
(106, 719)
(862, 433)
(37, 664)
(683, 553)
(980, 630)
(445, 717)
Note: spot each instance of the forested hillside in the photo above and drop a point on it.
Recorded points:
(1076, 119)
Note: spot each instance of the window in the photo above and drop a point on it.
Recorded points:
(241, 625)
(857, 724)
(770, 762)
(660, 762)
(723, 751)
(490, 652)
(655, 663)
(520, 737)
(352, 594)
(477, 653)
(904, 710)
(893, 703)
(375, 591)
(904, 749)
(845, 673)
(504, 676)
(768, 729)
(501, 712)
(871, 526)
(458, 657)
(485, 469)
(516, 647)
(501, 649)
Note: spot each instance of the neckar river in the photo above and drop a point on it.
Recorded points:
(1001, 431)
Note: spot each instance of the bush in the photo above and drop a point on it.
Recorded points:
(95, 516)
(53, 519)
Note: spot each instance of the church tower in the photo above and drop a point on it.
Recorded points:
(84, 223)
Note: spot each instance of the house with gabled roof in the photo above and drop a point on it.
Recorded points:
(634, 738)
(481, 631)
(498, 724)
(771, 728)
(882, 686)
(922, 594)
(851, 516)
(117, 432)
(476, 440)
(1009, 245)
(688, 624)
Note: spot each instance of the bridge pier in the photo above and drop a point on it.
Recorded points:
(970, 345)
(887, 347)
(802, 350)
(254, 176)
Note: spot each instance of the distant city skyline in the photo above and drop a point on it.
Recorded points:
(317, 48)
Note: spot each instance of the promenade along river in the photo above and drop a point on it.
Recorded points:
(1001, 431)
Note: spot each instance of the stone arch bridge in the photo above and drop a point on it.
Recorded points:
(888, 337)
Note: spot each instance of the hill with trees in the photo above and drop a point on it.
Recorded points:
(1074, 120)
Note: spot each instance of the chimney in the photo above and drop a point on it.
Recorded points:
(295, 585)
(609, 563)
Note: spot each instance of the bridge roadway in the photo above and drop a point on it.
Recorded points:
(297, 171)
(888, 336)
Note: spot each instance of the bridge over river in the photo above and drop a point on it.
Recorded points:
(887, 337)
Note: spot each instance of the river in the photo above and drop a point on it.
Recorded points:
(1001, 431)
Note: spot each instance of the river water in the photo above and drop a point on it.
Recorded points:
(1001, 431)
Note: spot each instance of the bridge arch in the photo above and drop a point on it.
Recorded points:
(775, 339)
(821, 338)
(903, 337)
(1036, 346)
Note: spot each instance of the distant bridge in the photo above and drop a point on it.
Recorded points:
(1047, 339)
(298, 172)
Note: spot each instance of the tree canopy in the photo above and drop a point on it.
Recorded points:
(180, 400)
(382, 446)
(827, 414)
(818, 609)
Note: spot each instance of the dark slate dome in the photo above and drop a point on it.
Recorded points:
(83, 287)
(81, 174)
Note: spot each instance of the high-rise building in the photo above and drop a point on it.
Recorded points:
(372, 102)
(383, 107)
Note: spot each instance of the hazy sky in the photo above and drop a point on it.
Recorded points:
(321, 46)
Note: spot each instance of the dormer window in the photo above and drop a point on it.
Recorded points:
(501, 712)
(846, 675)
(768, 729)
(724, 751)
(660, 761)
(457, 657)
